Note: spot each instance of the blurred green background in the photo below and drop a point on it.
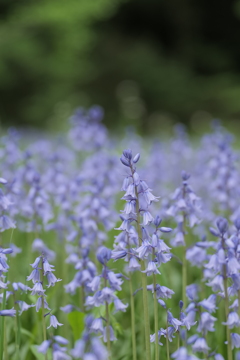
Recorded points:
(149, 63)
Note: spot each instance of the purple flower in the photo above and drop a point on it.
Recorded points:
(173, 321)
(200, 345)
(111, 333)
(54, 322)
(8, 312)
(209, 304)
(151, 269)
(235, 340)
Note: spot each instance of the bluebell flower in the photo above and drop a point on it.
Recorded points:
(235, 340)
(23, 306)
(196, 256)
(173, 321)
(200, 345)
(233, 265)
(188, 320)
(216, 283)
(218, 357)
(222, 225)
(234, 305)
(147, 218)
(36, 262)
(192, 339)
(151, 269)
(192, 292)
(153, 337)
(67, 308)
(209, 304)
(110, 330)
(114, 281)
(38, 289)
(94, 284)
(133, 265)
(43, 348)
(144, 250)
(119, 306)
(182, 354)
(206, 323)
(54, 322)
(8, 312)
(34, 276)
(168, 333)
(51, 278)
(232, 320)
(6, 223)
(97, 326)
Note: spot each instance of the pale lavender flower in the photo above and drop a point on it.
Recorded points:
(235, 340)
(173, 321)
(24, 306)
(209, 304)
(54, 322)
(232, 320)
(151, 269)
(200, 345)
(110, 330)
(8, 312)
(192, 292)
(206, 323)
(97, 326)
(43, 348)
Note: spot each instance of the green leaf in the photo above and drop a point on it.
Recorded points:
(28, 333)
(76, 320)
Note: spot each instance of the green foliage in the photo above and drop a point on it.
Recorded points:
(76, 320)
(43, 61)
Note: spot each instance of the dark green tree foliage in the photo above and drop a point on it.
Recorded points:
(44, 47)
(56, 55)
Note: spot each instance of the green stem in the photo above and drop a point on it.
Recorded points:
(155, 318)
(108, 326)
(17, 329)
(184, 278)
(82, 299)
(108, 333)
(2, 327)
(43, 312)
(134, 345)
(226, 302)
(144, 286)
(184, 265)
(167, 343)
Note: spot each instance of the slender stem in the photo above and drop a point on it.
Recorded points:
(167, 343)
(82, 299)
(226, 303)
(155, 318)
(184, 264)
(239, 302)
(134, 343)
(6, 357)
(43, 312)
(144, 286)
(184, 278)
(108, 332)
(108, 325)
(2, 327)
(17, 329)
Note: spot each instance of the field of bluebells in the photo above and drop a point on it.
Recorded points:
(119, 249)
